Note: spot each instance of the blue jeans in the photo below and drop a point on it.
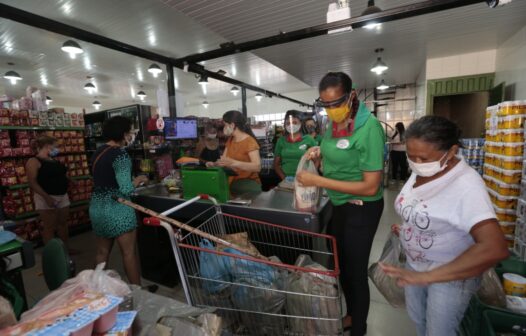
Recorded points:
(438, 309)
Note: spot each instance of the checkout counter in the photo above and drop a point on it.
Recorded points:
(275, 206)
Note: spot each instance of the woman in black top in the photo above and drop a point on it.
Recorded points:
(48, 180)
(210, 146)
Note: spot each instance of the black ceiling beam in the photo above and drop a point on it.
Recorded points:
(393, 14)
(37, 21)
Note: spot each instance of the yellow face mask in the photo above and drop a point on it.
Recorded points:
(338, 114)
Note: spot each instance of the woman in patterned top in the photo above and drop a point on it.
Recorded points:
(112, 175)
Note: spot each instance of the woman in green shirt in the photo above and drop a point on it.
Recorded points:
(291, 146)
(351, 155)
(312, 129)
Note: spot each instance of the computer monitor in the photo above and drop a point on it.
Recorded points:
(180, 128)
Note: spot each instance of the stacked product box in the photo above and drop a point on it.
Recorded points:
(503, 162)
(473, 153)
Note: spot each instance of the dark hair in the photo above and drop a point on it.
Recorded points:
(116, 128)
(332, 79)
(305, 124)
(238, 119)
(400, 130)
(293, 113)
(340, 79)
(41, 142)
(439, 131)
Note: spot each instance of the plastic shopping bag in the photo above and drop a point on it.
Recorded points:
(491, 291)
(306, 198)
(392, 255)
(101, 281)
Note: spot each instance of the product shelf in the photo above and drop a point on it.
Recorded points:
(41, 128)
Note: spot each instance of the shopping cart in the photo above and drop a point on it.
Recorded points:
(256, 295)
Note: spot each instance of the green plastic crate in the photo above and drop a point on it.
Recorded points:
(472, 323)
(500, 322)
(210, 181)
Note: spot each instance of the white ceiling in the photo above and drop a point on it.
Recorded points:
(407, 43)
(179, 28)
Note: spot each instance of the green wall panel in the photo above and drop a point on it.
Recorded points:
(457, 85)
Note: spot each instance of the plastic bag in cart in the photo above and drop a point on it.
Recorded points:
(314, 296)
(97, 280)
(392, 254)
(491, 291)
(257, 289)
(306, 198)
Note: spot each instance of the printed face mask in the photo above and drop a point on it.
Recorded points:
(311, 128)
(338, 114)
(429, 168)
(294, 128)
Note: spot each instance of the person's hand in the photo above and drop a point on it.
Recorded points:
(226, 162)
(395, 228)
(307, 179)
(406, 277)
(140, 179)
(210, 164)
(313, 153)
(50, 201)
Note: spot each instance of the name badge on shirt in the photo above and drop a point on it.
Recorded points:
(303, 147)
(342, 144)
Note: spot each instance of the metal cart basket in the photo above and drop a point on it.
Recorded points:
(294, 293)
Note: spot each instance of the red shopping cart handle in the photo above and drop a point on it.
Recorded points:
(151, 221)
(204, 196)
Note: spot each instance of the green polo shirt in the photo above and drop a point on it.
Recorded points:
(291, 152)
(346, 158)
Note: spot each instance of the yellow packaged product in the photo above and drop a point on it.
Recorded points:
(513, 149)
(511, 176)
(511, 135)
(504, 202)
(509, 162)
(510, 108)
(489, 171)
(490, 159)
(506, 215)
(506, 189)
(492, 136)
(511, 121)
(507, 227)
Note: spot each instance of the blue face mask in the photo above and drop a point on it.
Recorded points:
(54, 152)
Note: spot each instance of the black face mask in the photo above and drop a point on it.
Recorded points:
(311, 129)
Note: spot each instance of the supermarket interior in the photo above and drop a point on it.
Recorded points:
(294, 167)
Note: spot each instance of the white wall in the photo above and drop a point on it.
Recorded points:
(461, 65)
(511, 65)
(265, 106)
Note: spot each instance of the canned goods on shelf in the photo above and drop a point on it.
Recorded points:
(511, 121)
(510, 108)
(507, 227)
(506, 215)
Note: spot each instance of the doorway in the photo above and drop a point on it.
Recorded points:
(468, 111)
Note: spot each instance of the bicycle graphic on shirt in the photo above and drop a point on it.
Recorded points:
(421, 222)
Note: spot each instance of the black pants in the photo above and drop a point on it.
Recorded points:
(399, 161)
(354, 227)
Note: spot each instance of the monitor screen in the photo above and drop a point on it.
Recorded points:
(180, 128)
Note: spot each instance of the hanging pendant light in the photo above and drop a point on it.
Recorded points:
(155, 70)
(372, 9)
(48, 100)
(96, 104)
(382, 86)
(203, 80)
(258, 97)
(141, 94)
(205, 104)
(13, 76)
(379, 67)
(90, 88)
(234, 90)
(72, 48)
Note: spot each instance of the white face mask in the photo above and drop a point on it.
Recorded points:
(211, 135)
(228, 130)
(129, 139)
(427, 169)
(294, 128)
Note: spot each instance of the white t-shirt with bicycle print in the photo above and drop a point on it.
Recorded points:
(438, 216)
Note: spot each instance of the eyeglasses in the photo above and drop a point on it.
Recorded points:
(331, 104)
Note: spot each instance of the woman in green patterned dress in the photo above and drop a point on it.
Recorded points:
(112, 175)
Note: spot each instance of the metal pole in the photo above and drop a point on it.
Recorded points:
(244, 101)
(171, 90)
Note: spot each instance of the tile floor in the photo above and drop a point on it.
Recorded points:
(383, 319)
